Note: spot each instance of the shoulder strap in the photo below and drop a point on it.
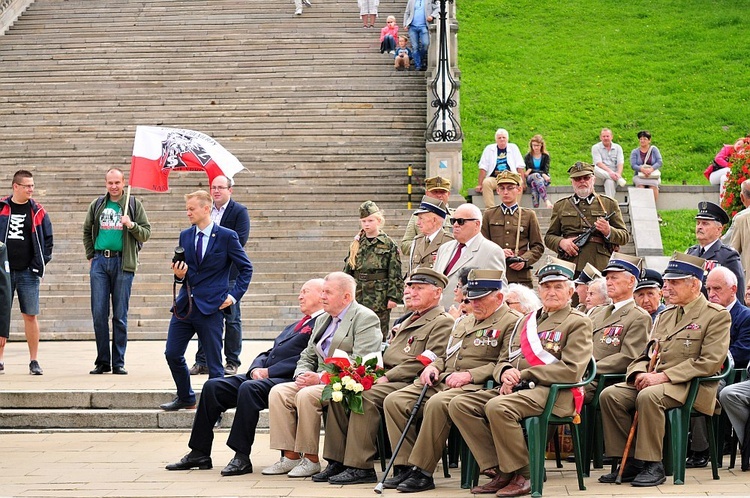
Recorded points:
(99, 203)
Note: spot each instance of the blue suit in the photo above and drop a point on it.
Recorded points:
(724, 256)
(235, 218)
(208, 283)
(739, 335)
(250, 396)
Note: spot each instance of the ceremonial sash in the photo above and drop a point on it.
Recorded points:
(536, 355)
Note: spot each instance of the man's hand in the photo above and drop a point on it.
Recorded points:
(392, 304)
(227, 302)
(428, 374)
(644, 380)
(509, 378)
(613, 175)
(180, 269)
(429, 18)
(509, 253)
(458, 379)
(260, 373)
(307, 379)
(478, 188)
(569, 247)
(125, 219)
(517, 266)
(603, 226)
(382, 380)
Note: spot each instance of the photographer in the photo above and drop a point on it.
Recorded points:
(209, 251)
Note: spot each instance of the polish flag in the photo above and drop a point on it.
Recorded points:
(157, 151)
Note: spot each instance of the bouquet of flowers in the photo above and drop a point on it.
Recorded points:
(346, 379)
(740, 162)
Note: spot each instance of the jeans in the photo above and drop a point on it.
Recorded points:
(108, 279)
(26, 284)
(232, 336)
(420, 40)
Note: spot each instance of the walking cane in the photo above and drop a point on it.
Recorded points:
(379, 488)
(634, 425)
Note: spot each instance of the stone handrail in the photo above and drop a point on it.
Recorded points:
(10, 10)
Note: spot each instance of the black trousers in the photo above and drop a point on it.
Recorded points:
(218, 395)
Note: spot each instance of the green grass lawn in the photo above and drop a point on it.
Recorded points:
(677, 230)
(678, 68)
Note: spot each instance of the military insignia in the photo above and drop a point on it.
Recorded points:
(616, 341)
(693, 326)
(477, 341)
(493, 343)
(688, 342)
(710, 265)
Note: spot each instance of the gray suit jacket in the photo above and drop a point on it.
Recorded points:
(481, 253)
(358, 334)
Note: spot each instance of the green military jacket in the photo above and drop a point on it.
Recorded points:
(377, 272)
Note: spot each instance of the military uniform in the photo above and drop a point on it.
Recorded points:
(6, 297)
(619, 337)
(378, 275)
(486, 417)
(502, 229)
(566, 222)
(430, 331)
(694, 345)
(423, 252)
(412, 231)
(473, 347)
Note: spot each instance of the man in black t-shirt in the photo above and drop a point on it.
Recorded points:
(26, 230)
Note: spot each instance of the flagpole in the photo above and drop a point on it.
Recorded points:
(127, 200)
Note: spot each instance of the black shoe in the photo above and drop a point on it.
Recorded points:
(333, 468)
(651, 475)
(100, 369)
(355, 476)
(119, 371)
(416, 482)
(400, 474)
(632, 469)
(34, 368)
(188, 462)
(697, 460)
(237, 467)
(177, 404)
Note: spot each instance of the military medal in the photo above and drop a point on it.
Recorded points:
(477, 342)
(616, 341)
(408, 344)
(688, 342)
(494, 343)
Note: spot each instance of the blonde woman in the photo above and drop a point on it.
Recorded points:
(375, 264)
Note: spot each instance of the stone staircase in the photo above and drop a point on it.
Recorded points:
(308, 104)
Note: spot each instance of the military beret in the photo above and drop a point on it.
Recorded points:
(624, 262)
(710, 211)
(651, 278)
(508, 177)
(483, 282)
(367, 208)
(580, 169)
(556, 269)
(588, 274)
(427, 276)
(432, 205)
(437, 183)
(683, 265)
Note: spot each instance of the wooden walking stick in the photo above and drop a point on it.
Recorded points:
(631, 435)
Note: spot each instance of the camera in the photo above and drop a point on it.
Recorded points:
(179, 255)
(515, 259)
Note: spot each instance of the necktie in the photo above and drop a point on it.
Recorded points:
(543, 316)
(701, 252)
(609, 311)
(455, 257)
(199, 248)
(301, 323)
(325, 342)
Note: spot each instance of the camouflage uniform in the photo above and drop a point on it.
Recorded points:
(378, 275)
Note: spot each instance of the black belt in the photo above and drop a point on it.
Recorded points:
(375, 275)
(109, 254)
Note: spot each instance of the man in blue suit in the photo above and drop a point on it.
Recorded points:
(210, 250)
(249, 392)
(232, 215)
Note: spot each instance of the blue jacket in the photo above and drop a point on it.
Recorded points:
(235, 218)
(209, 281)
(41, 228)
(739, 335)
(725, 256)
(282, 358)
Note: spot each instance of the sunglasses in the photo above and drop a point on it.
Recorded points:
(461, 221)
(466, 301)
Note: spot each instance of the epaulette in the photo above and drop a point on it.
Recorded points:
(574, 311)
(715, 306)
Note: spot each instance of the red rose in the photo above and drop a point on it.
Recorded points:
(325, 378)
(361, 370)
(366, 382)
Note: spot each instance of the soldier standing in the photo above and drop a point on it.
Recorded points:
(430, 221)
(582, 211)
(375, 264)
(435, 187)
(515, 229)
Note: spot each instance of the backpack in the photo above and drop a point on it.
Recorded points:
(131, 209)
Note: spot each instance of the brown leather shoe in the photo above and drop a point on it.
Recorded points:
(518, 486)
(495, 485)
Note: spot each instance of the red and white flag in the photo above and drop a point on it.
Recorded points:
(157, 151)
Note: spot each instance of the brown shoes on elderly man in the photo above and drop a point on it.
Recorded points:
(503, 485)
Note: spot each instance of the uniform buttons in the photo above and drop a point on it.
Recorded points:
(460, 358)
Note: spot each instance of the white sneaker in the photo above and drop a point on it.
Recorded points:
(283, 466)
(307, 3)
(621, 182)
(298, 12)
(306, 468)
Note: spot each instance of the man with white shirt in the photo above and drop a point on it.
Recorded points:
(295, 407)
(470, 248)
(430, 219)
(608, 161)
(497, 157)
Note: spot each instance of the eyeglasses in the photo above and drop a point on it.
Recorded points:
(217, 188)
(582, 178)
(27, 187)
(461, 221)
(466, 301)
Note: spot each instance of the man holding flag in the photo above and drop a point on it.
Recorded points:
(550, 345)
(112, 233)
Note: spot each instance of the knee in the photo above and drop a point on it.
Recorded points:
(489, 183)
